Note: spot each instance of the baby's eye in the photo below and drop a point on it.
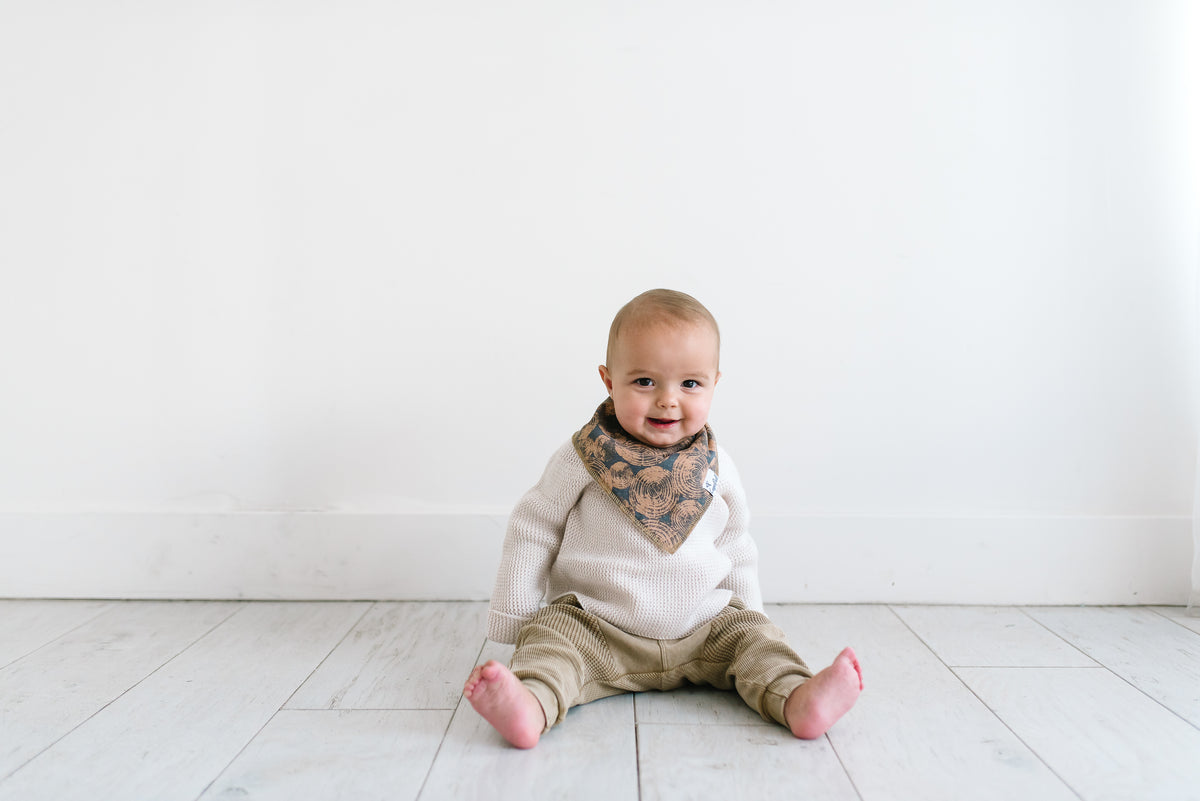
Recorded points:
(643, 382)
(691, 384)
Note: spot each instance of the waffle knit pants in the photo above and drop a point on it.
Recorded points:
(567, 657)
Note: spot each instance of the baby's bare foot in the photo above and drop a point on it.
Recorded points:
(505, 703)
(816, 705)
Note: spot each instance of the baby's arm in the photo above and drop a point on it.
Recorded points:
(735, 541)
(535, 530)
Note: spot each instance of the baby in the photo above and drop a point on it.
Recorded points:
(637, 535)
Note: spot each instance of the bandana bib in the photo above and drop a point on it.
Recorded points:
(664, 491)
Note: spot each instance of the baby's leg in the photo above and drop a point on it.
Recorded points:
(505, 703)
(816, 705)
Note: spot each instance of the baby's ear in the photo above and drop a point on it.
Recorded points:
(606, 378)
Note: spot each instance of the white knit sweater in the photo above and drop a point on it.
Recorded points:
(567, 535)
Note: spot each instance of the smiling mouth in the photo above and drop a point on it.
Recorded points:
(661, 422)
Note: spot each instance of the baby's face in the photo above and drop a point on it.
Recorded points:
(661, 378)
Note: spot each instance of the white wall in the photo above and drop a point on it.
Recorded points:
(299, 295)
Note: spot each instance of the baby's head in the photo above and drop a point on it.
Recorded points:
(663, 365)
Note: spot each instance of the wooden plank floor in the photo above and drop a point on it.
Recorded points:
(223, 700)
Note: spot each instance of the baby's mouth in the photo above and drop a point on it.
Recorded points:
(662, 422)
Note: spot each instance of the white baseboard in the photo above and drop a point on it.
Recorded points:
(986, 560)
(804, 559)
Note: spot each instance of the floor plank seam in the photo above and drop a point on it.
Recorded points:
(1151, 698)
(236, 756)
(637, 747)
(55, 639)
(370, 605)
(335, 710)
(446, 733)
(1026, 667)
(892, 608)
(1176, 621)
(708, 724)
(976, 695)
(845, 770)
(1119, 676)
(1025, 611)
(119, 695)
(1033, 752)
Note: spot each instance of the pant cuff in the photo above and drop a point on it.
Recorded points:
(776, 695)
(546, 697)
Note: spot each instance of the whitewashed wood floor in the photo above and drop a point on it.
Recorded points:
(155, 701)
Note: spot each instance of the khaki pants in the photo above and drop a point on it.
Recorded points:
(567, 657)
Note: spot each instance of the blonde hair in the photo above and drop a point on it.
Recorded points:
(660, 305)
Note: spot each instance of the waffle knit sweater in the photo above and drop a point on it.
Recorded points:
(568, 536)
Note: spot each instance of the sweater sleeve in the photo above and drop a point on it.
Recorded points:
(735, 541)
(535, 531)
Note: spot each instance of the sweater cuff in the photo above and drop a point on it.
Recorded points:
(503, 628)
